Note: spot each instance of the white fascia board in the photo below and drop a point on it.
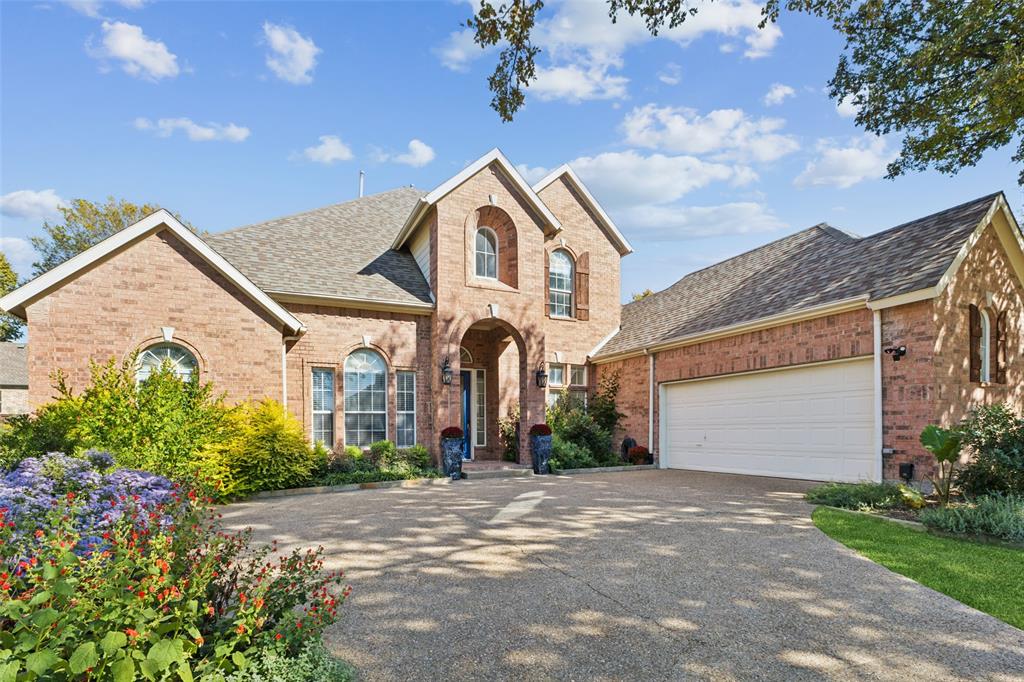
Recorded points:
(154, 222)
(620, 241)
(903, 299)
(442, 190)
(602, 342)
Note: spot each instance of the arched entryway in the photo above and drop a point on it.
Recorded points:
(491, 381)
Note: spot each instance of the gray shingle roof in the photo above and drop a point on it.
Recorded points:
(343, 250)
(13, 364)
(817, 266)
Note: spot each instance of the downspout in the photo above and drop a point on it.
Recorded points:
(650, 400)
(284, 368)
(877, 323)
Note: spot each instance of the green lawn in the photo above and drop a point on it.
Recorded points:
(987, 577)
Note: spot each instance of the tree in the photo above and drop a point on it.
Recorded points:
(947, 74)
(10, 326)
(641, 295)
(85, 224)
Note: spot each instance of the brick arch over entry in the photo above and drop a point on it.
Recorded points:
(508, 243)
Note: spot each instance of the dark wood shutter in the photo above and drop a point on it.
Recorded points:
(975, 347)
(1000, 348)
(547, 283)
(583, 287)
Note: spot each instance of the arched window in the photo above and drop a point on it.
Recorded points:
(181, 361)
(986, 347)
(366, 391)
(560, 284)
(486, 253)
(465, 357)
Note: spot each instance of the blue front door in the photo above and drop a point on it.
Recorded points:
(467, 411)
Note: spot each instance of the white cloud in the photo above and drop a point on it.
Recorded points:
(330, 150)
(727, 133)
(30, 203)
(671, 74)
(91, 8)
(165, 127)
(668, 223)
(578, 82)
(532, 174)
(863, 158)
(19, 253)
(459, 50)
(777, 94)
(419, 154)
(735, 19)
(139, 55)
(293, 56)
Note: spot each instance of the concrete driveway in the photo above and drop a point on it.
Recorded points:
(652, 575)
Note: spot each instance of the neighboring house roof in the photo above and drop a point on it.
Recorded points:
(603, 220)
(13, 365)
(341, 251)
(15, 301)
(551, 223)
(812, 269)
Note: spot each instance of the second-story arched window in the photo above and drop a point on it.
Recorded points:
(486, 253)
(560, 288)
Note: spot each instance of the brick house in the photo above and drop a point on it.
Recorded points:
(398, 314)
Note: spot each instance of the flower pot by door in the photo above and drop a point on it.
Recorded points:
(540, 453)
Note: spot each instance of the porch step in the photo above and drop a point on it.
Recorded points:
(479, 474)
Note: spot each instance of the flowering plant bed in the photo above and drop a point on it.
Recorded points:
(121, 574)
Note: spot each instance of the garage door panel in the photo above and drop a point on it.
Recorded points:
(812, 422)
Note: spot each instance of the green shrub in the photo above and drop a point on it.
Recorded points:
(417, 456)
(381, 462)
(570, 455)
(573, 424)
(996, 515)
(267, 449)
(508, 434)
(865, 496)
(603, 405)
(49, 429)
(313, 662)
(994, 436)
(383, 453)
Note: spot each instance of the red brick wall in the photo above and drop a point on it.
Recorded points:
(119, 305)
(333, 333)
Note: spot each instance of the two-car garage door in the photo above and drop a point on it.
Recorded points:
(814, 422)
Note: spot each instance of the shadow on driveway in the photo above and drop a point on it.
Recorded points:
(652, 575)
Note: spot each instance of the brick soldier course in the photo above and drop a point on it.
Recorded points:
(261, 307)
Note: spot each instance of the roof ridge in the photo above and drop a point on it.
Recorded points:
(989, 197)
(315, 210)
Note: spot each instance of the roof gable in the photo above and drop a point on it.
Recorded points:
(550, 222)
(604, 221)
(162, 219)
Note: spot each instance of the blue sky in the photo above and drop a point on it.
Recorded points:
(703, 143)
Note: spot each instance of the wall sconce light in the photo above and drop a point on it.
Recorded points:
(542, 378)
(896, 352)
(446, 372)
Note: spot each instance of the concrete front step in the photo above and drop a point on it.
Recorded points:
(478, 474)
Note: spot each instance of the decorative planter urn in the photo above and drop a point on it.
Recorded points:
(452, 444)
(540, 448)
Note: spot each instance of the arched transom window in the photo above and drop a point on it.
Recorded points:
(560, 284)
(486, 253)
(366, 390)
(180, 360)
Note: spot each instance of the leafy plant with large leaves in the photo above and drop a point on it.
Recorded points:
(945, 445)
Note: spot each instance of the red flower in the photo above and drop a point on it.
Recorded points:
(70, 496)
(277, 636)
(131, 633)
(40, 533)
(241, 629)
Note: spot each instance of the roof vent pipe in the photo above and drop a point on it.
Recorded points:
(362, 178)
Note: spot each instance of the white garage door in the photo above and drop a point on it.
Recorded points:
(813, 422)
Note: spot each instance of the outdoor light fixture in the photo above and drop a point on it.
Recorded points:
(896, 352)
(542, 378)
(446, 372)
(907, 471)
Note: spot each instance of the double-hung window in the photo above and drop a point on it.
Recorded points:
(405, 396)
(366, 417)
(323, 406)
(560, 284)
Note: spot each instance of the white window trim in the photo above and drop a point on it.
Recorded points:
(165, 344)
(551, 366)
(387, 381)
(479, 435)
(476, 252)
(463, 349)
(334, 408)
(571, 290)
(412, 412)
(582, 367)
(986, 347)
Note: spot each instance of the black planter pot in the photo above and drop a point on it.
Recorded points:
(451, 457)
(540, 452)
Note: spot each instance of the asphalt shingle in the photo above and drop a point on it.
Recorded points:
(817, 266)
(343, 250)
(13, 364)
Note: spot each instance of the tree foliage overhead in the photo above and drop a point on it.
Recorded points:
(10, 326)
(85, 223)
(946, 74)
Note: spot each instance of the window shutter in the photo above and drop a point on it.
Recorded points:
(583, 287)
(975, 347)
(1000, 348)
(547, 283)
